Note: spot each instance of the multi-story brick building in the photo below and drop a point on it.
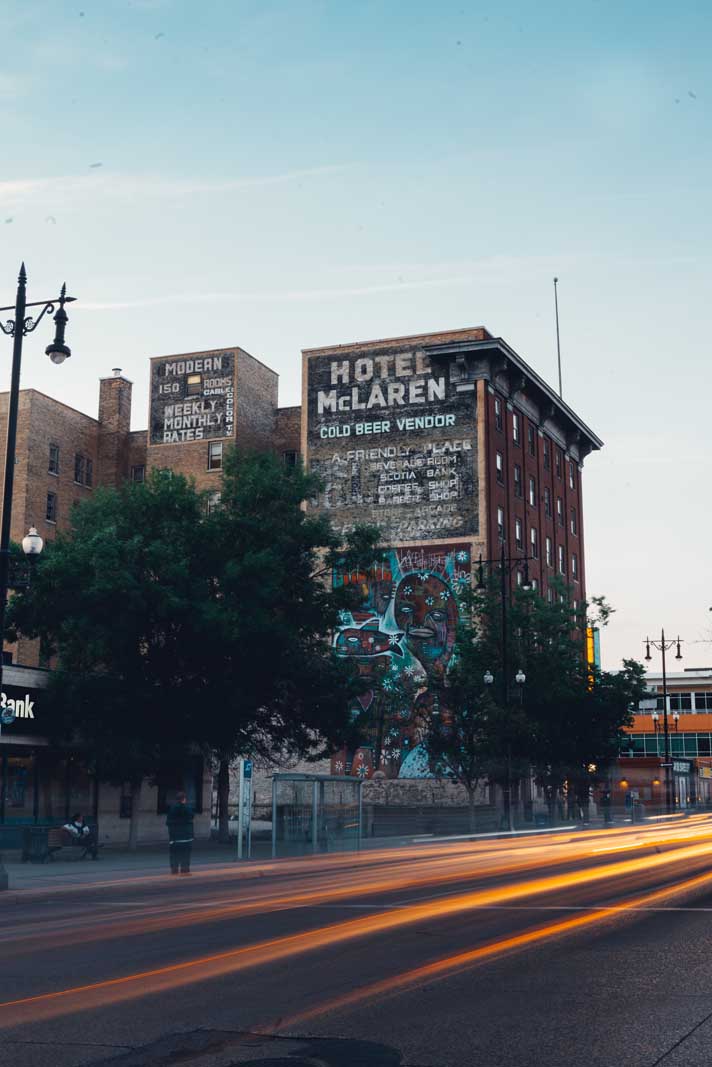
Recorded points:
(200, 403)
(448, 441)
(457, 450)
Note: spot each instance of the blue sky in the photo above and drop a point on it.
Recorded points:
(280, 175)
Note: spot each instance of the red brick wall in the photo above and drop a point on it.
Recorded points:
(519, 507)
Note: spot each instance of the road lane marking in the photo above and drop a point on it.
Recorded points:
(448, 965)
(185, 972)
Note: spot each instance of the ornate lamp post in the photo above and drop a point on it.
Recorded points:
(520, 678)
(18, 327)
(662, 646)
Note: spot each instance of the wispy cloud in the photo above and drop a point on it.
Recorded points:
(288, 295)
(137, 185)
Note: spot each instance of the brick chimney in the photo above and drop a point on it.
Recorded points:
(114, 428)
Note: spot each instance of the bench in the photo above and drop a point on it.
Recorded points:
(40, 844)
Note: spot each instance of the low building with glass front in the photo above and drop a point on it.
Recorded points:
(689, 714)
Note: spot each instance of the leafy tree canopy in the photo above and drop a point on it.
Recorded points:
(174, 628)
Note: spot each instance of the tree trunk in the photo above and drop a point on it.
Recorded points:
(135, 815)
(472, 817)
(224, 801)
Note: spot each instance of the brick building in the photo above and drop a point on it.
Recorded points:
(456, 449)
(200, 403)
(448, 441)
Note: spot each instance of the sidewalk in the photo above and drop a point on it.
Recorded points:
(114, 863)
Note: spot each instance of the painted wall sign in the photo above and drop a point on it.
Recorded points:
(394, 443)
(192, 399)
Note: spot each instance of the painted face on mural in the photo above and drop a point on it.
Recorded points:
(427, 613)
(367, 641)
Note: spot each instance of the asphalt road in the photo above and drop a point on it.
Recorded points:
(584, 948)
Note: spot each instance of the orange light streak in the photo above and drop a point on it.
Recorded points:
(432, 871)
(272, 950)
(449, 965)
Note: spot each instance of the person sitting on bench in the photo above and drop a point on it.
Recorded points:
(82, 834)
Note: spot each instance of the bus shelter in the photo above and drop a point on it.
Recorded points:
(315, 813)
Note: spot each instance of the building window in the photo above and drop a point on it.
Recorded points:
(532, 491)
(547, 455)
(518, 533)
(517, 480)
(83, 469)
(500, 523)
(550, 596)
(497, 413)
(560, 510)
(703, 701)
(138, 473)
(215, 455)
(534, 542)
(499, 463)
(562, 560)
(549, 556)
(51, 514)
(572, 475)
(558, 462)
(193, 385)
(516, 434)
(212, 502)
(79, 468)
(289, 458)
(53, 461)
(574, 525)
(680, 701)
(535, 584)
(520, 578)
(531, 436)
(547, 503)
(574, 567)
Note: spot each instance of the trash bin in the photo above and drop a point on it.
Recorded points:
(35, 844)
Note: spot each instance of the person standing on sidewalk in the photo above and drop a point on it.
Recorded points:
(180, 834)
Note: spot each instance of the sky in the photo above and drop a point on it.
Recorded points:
(280, 175)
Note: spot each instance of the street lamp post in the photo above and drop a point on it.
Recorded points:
(507, 564)
(18, 327)
(662, 646)
(520, 678)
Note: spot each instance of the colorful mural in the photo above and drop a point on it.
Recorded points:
(402, 636)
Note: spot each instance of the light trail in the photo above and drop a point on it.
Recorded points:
(447, 966)
(446, 866)
(45, 1005)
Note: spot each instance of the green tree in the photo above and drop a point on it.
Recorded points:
(120, 600)
(175, 629)
(282, 688)
(565, 721)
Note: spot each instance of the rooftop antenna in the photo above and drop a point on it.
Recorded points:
(558, 342)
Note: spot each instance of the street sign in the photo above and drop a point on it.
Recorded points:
(247, 768)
